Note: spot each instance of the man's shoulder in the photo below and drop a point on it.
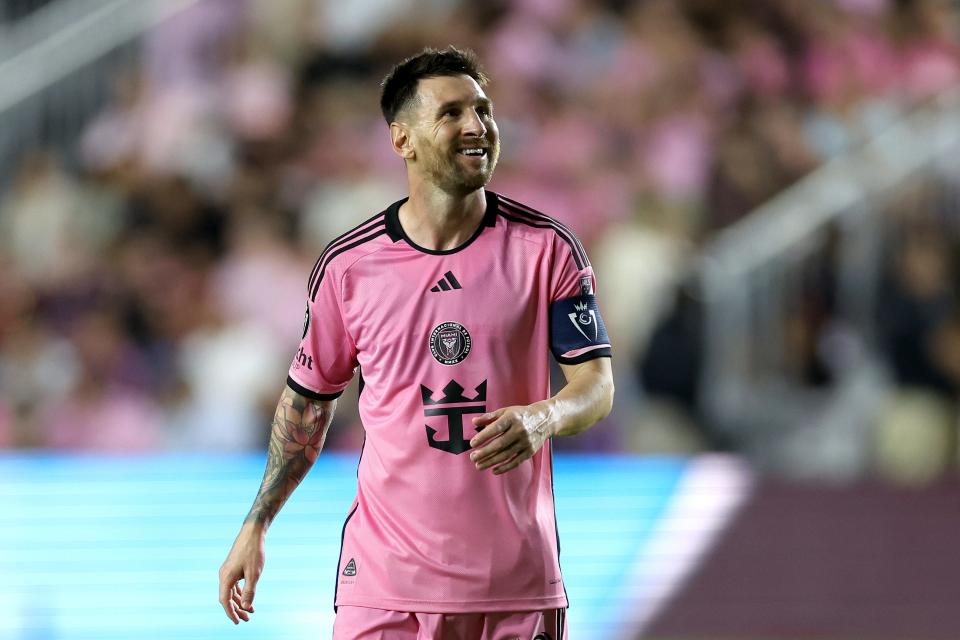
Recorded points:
(349, 246)
(533, 225)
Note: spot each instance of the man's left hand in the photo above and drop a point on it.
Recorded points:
(510, 435)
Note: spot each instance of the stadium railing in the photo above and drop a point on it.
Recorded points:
(57, 65)
(754, 276)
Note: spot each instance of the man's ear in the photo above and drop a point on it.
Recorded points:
(400, 140)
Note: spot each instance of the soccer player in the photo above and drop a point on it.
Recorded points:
(446, 304)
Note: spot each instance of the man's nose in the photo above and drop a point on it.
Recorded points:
(474, 124)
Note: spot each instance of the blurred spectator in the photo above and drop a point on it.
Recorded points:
(918, 303)
(670, 372)
(230, 369)
(930, 52)
(917, 433)
(106, 407)
(39, 224)
(260, 279)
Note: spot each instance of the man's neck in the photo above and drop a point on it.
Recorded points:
(440, 221)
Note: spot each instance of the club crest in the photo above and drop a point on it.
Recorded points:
(450, 343)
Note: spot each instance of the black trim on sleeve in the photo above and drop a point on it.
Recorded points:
(328, 257)
(309, 393)
(581, 262)
(352, 234)
(604, 352)
(565, 232)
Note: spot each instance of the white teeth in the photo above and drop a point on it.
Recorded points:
(473, 152)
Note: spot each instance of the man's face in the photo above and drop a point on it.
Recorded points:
(453, 134)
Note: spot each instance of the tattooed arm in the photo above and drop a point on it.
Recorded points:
(296, 438)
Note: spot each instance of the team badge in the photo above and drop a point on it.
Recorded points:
(450, 343)
(584, 319)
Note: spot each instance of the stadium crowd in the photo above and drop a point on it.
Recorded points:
(152, 280)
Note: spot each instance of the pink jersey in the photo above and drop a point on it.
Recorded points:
(440, 337)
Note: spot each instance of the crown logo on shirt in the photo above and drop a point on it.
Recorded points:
(452, 393)
(457, 406)
(580, 306)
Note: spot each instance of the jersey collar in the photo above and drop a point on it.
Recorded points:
(396, 233)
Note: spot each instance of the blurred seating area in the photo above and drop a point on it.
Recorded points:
(152, 274)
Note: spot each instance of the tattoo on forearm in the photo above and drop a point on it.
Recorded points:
(296, 438)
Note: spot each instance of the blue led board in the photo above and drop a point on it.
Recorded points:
(104, 548)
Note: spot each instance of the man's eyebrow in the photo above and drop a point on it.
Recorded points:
(484, 102)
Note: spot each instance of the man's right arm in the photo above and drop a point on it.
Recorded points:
(296, 437)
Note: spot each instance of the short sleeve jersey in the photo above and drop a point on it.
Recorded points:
(438, 338)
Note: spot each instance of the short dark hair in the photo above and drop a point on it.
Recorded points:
(399, 88)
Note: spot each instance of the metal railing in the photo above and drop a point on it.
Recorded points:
(752, 274)
(57, 66)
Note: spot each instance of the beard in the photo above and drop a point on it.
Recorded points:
(445, 169)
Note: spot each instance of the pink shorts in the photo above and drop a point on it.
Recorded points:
(362, 623)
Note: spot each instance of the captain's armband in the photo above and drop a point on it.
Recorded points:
(577, 332)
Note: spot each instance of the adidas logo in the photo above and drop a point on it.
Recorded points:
(350, 569)
(447, 282)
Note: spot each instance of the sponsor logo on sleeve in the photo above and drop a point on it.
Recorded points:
(303, 360)
(586, 286)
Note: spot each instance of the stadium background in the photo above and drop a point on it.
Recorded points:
(769, 194)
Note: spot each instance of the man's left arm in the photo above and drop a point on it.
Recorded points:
(510, 435)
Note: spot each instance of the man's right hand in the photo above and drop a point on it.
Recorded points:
(244, 562)
(296, 438)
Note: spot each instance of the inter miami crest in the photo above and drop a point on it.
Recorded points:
(450, 343)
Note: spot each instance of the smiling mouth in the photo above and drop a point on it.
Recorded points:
(474, 152)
